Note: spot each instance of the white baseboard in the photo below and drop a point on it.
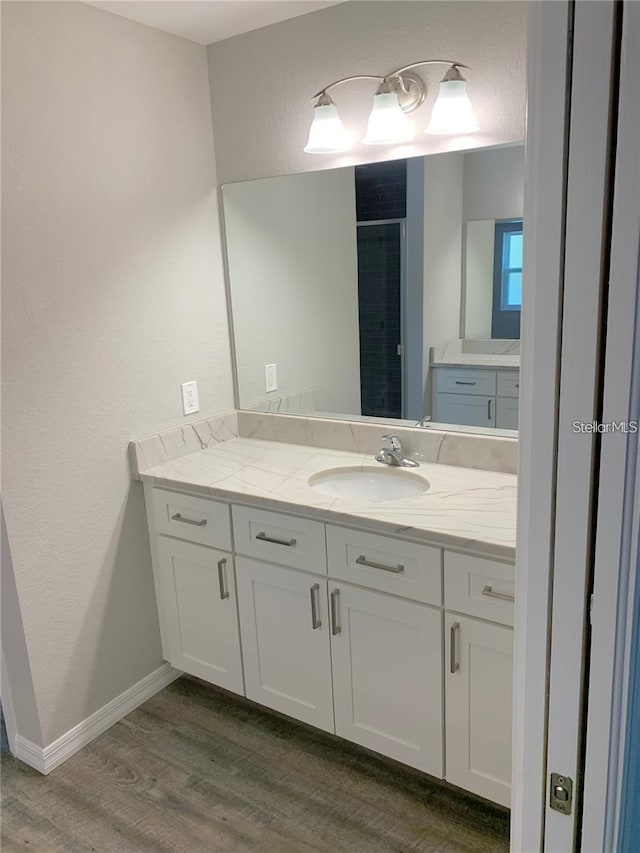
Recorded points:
(45, 759)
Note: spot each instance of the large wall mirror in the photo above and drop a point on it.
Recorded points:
(385, 291)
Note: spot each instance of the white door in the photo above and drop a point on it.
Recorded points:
(467, 409)
(618, 517)
(200, 592)
(478, 687)
(284, 627)
(584, 300)
(387, 675)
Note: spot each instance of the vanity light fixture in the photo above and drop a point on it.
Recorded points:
(398, 94)
(327, 134)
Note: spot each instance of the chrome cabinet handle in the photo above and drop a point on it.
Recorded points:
(460, 382)
(488, 592)
(222, 580)
(336, 628)
(178, 517)
(454, 664)
(362, 561)
(316, 622)
(489, 402)
(288, 543)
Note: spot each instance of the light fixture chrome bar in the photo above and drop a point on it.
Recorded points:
(346, 80)
(427, 62)
(383, 77)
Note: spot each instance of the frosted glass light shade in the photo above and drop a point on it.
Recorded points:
(387, 122)
(452, 111)
(327, 134)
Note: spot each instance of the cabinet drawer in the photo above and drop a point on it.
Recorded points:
(196, 519)
(390, 565)
(277, 538)
(479, 587)
(454, 381)
(509, 383)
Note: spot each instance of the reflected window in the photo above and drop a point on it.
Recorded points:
(507, 279)
(511, 280)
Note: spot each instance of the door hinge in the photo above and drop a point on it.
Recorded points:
(400, 349)
(561, 796)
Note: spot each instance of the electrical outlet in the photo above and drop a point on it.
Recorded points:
(190, 402)
(271, 377)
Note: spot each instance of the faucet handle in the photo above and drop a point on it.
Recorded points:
(394, 441)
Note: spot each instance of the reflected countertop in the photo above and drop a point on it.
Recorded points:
(465, 508)
(479, 360)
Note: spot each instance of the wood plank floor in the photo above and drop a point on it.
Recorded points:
(195, 769)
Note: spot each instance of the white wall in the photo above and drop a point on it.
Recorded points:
(292, 257)
(262, 81)
(113, 294)
(443, 182)
(492, 190)
(478, 278)
(494, 184)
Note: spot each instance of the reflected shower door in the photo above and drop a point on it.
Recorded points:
(380, 275)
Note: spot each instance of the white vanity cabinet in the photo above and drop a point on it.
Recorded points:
(476, 397)
(196, 590)
(479, 675)
(387, 675)
(285, 641)
(343, 629)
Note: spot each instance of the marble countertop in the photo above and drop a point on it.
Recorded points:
(464, 507)
(473, 359)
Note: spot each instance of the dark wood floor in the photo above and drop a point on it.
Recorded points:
(194, 769)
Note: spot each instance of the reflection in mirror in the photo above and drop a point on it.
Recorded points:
(385, 291)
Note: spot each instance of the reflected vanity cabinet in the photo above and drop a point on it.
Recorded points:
(357, 633)
(476, 397)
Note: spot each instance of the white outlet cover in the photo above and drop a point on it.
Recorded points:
(271, 377)
(190, 402)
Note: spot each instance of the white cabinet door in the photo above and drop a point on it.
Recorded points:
(478, 685)
(507, 413)
(199, 592)
(387, 675)
(284, 626)
(467, 409)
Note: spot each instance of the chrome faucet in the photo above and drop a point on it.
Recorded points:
(391, 453)
(423, 421)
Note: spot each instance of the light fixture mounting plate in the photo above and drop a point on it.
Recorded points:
(411, 90)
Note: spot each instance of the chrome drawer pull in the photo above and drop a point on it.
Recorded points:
(224, 592)
(336, 628)
(316, 622)
(178, 517)
(460, 382)
(264, 538)
(489, 409)
(362, 561)
(488, 592)
(454, 664)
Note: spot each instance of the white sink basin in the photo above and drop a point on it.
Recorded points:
(369, 484)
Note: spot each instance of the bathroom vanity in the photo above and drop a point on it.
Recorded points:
(476, 396)
(387, 623)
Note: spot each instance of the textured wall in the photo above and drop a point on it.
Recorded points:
(261, 82)
(112, 295)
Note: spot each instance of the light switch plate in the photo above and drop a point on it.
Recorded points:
(271, 377)
(190, 402)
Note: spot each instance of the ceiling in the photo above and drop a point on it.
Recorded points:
(206, 21)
